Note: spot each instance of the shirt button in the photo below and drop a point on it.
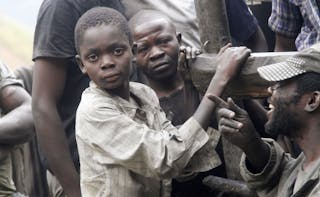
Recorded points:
(143, 113)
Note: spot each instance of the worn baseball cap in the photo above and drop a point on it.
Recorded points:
(307, 60)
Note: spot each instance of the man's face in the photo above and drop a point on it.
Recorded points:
(106, 56)
(285, 114)
(157, 48)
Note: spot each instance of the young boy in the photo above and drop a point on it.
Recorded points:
(127, 147)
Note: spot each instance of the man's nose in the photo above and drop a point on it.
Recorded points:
(156, 53)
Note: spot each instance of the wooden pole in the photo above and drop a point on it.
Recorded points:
(213, 24)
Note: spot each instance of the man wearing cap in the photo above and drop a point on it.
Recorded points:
(295, 113)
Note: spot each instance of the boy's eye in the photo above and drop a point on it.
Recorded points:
(118, 51)
(93, 57)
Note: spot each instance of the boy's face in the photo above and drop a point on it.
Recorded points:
(157, 48)
(105, 55)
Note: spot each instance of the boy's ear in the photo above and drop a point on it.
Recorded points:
(81, 66)
(179, 37)
(313, 102)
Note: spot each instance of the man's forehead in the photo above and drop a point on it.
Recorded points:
(286, 83)
(147, 15)
(152, 27)
(151, 23)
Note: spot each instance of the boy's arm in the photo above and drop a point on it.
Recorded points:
(48, 85)
(230, 60)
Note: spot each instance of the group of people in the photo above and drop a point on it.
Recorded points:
(101, 132)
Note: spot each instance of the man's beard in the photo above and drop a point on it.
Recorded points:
(283, 121)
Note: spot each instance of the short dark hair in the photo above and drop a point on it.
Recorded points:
(306, 83)
(100, 16)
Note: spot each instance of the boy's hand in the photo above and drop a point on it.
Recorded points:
(234, 123)
(186, 55)
(230, 60)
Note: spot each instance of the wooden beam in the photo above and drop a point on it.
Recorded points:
(247, 84)
(213, 24)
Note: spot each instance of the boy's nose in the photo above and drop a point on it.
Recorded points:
(107, 62)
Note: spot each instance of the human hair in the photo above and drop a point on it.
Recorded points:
(100, 16)
(307, 82)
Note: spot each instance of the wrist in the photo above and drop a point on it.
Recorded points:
(221, 76)
(253, 143)
(217, 85)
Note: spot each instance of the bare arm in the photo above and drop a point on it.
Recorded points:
(48, 84)
(257, 41)
(284, 43)
(16, 126)
(229, 63)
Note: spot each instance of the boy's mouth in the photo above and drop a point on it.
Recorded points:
(111, 76)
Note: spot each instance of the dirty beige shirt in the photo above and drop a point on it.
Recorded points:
(127, 150)
(279, 175)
